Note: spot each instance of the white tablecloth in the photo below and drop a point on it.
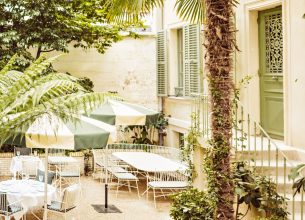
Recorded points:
(57, 160)
(16, 164)
(29, 192)
(149, 162)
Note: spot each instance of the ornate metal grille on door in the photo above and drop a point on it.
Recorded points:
(274, 43)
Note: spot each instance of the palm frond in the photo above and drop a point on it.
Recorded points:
(129, 10)
(191, 10)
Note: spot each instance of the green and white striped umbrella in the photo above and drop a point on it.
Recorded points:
(123, 113)
(49, 131)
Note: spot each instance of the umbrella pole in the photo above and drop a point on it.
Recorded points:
(106, 176)
(45, 213)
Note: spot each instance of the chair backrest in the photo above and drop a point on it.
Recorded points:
(170, 176)
(70, 197)
(30, 168)
(4, 205)
(51, 176)
(23, 151)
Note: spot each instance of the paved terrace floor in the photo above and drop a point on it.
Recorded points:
(131, 206)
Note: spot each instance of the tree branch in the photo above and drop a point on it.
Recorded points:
(46, 51)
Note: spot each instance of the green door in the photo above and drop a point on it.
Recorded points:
(271, 71)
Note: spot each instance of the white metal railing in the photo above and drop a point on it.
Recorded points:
(252, 143)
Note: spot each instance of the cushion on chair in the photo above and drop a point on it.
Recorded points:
(69, 174)
(56, 206)
(116, 169)
(168, 184)
(125, 176)
(70, 196)
(51, 176)
(5, 208)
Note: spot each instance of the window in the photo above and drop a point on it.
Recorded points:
(179, 89)
(181, 140)
(188, 61)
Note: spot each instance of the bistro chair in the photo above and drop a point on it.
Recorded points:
(166, 183)
(10, 209)
(67, 174)
(40, 176)
(67, 204)
(113, 166)
(125, 179)
(29, 169)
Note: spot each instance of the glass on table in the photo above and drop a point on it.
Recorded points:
(18, 153)
(25, 176)
(40, 177)
(35, 153)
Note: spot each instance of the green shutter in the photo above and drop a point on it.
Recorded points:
(161, 64)
(191, 60)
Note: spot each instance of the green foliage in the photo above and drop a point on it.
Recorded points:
(49, 25)
(141, 134)
(259, 192)
(192, 141)
(191, 10)
(36, 91)
(145, 134)
(122, 11)
(191, 204)
(299, 180)
(161, 123)
(86, 83)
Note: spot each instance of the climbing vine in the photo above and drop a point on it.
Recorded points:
(191, 142)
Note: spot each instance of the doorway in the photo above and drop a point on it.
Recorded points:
(271, 71)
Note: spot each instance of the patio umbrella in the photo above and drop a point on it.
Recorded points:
(49, 131)
(116, 112)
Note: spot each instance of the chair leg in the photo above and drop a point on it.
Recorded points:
(138, 189)
(117, 188)
(128, 183)
(155, 197)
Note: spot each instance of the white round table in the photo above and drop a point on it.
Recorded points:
(29, 192)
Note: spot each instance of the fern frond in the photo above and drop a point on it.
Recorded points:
(25, 81)
(9, 65)
(8, 79)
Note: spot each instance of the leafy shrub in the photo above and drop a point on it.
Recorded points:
(258, 191)
(191, 204)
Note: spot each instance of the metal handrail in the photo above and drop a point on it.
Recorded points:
(266, 135)
(201, 106)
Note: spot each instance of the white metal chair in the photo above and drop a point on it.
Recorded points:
(113, 165)
(67, 204)
(166, 183)
(29, 169)
(67, 174)
(9, 210)
(124, 179)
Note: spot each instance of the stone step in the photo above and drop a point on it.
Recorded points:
(265, 154)
(295, 202)
(273, 167)
(296, 216)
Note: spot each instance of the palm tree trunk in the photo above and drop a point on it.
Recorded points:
(220, 45)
